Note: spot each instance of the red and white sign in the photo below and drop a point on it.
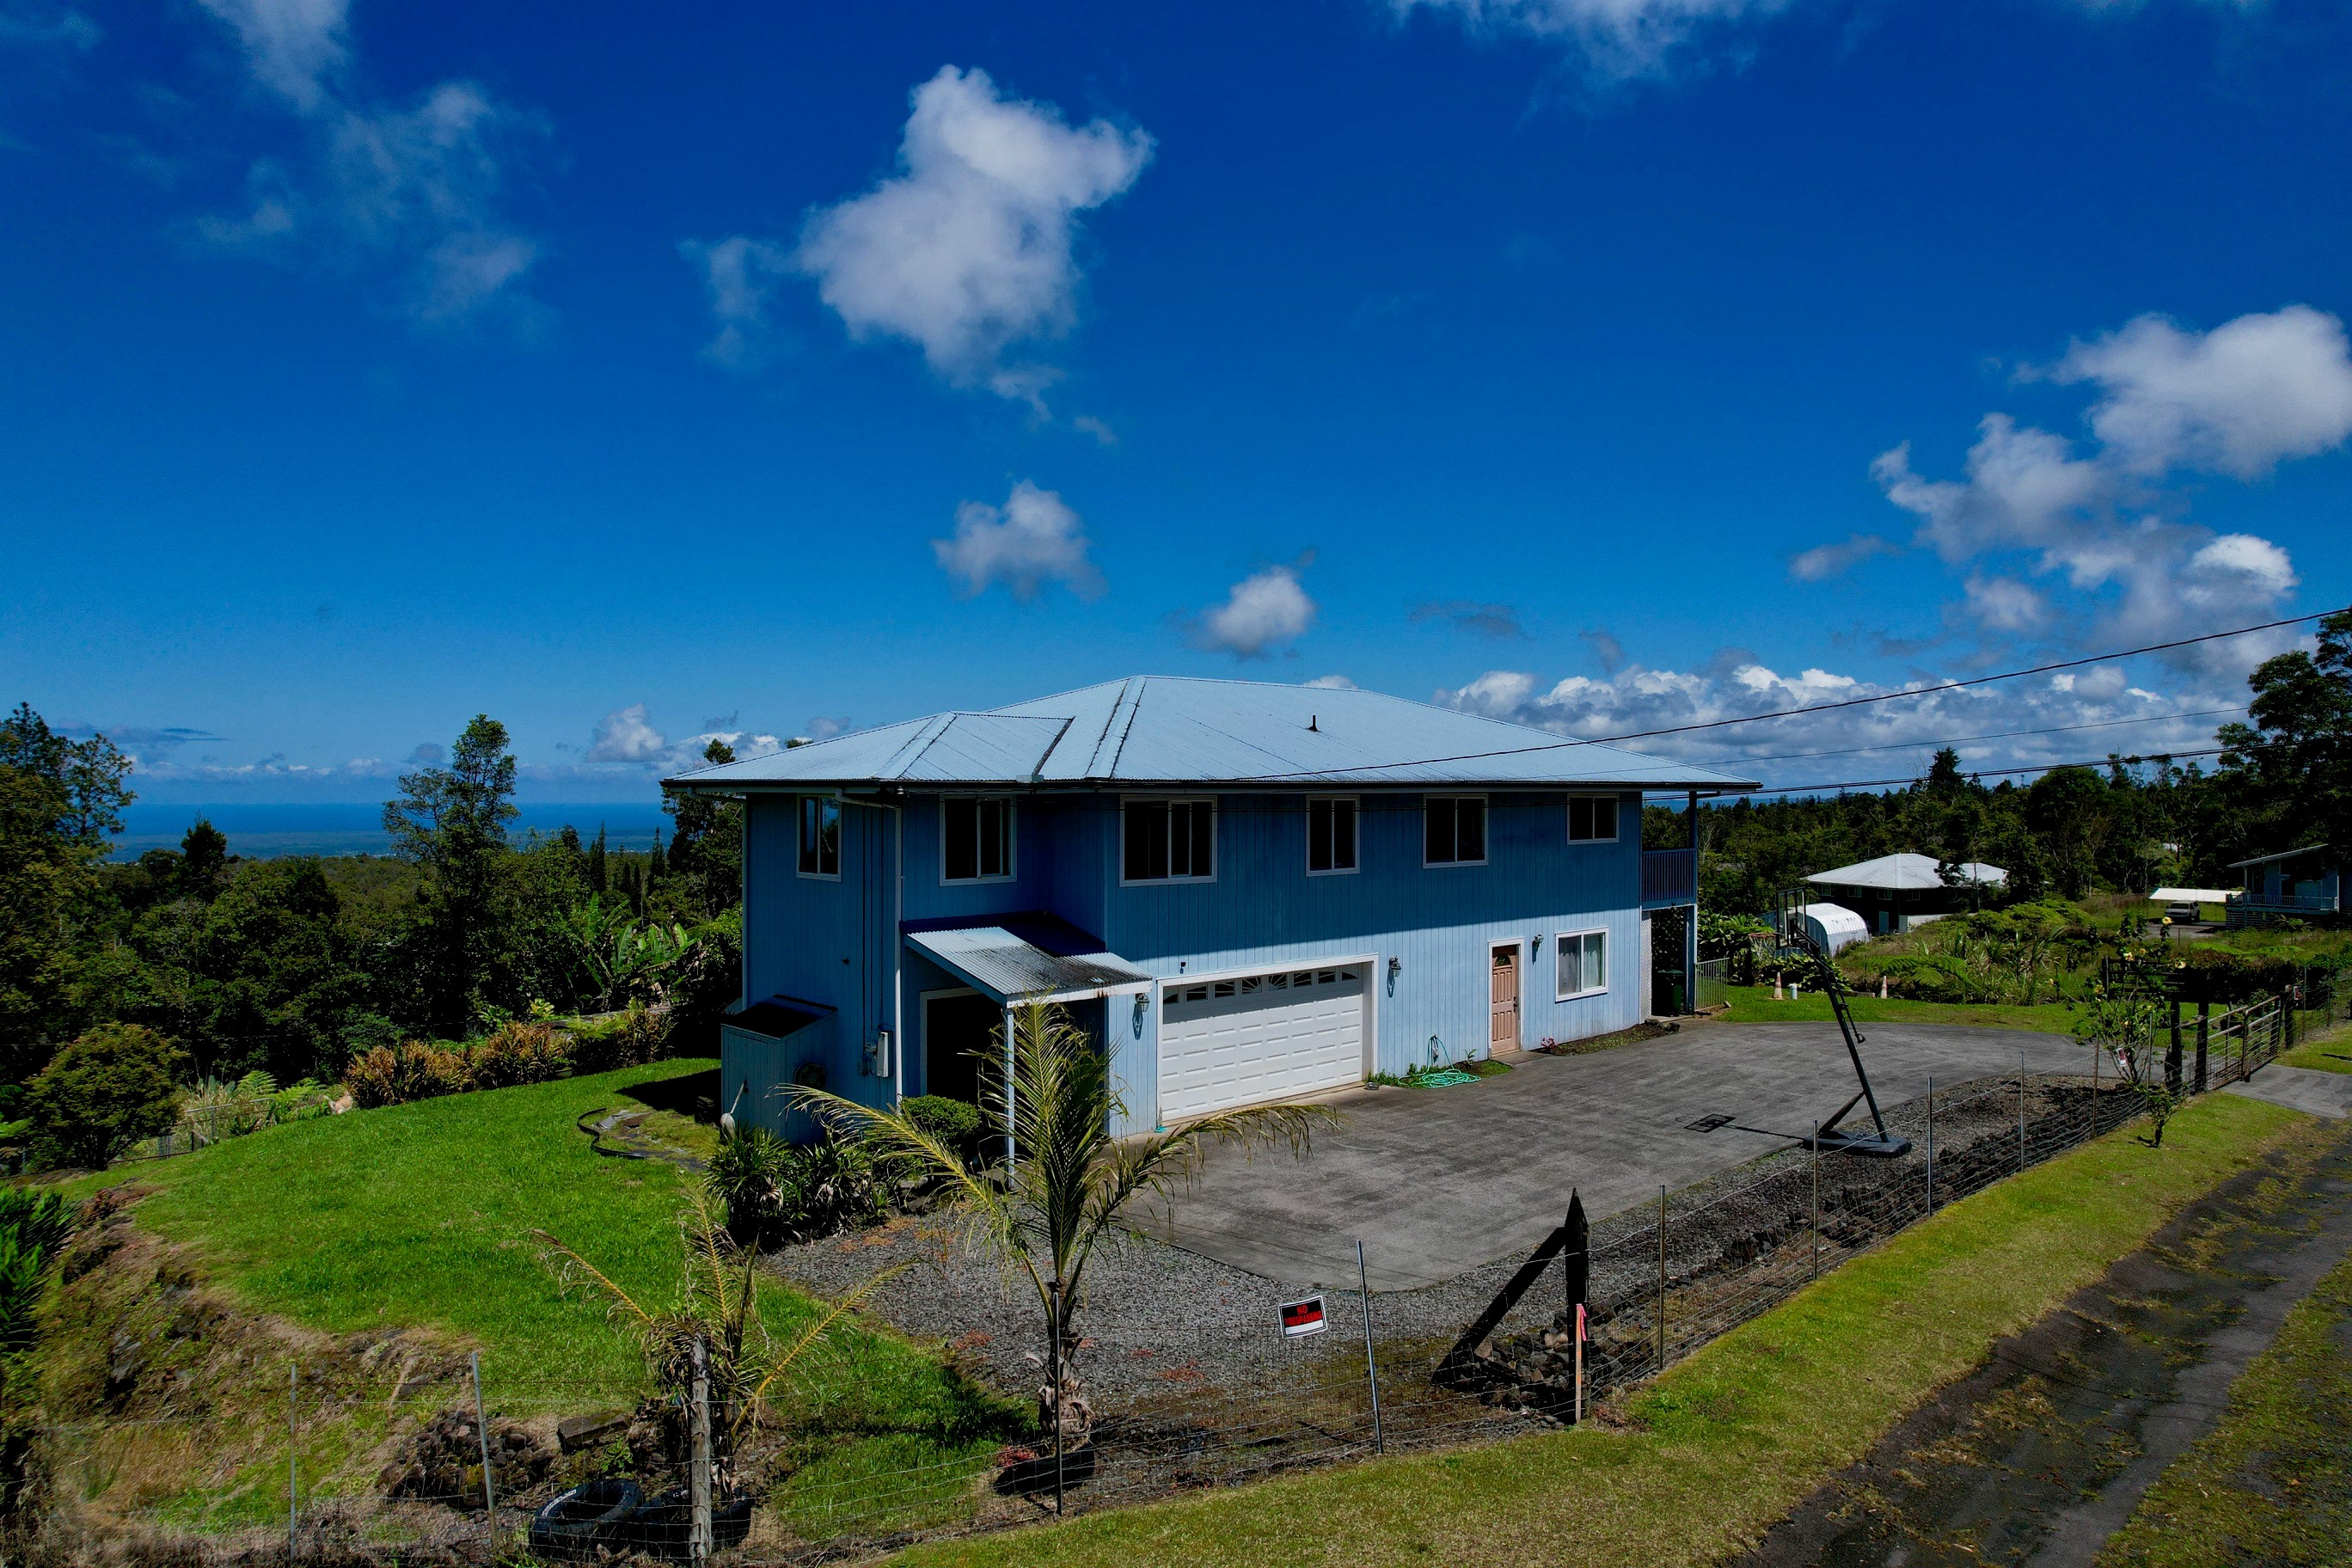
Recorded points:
(1300, 1318)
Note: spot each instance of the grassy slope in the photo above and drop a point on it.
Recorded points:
(2272, 1482)
(2324, 1051)
(1729, 1441)
(419, 1216)
(1754, 1004)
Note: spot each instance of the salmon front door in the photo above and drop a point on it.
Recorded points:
(1503, 1031)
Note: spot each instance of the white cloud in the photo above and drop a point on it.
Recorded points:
(418, 189)
(1833, 560)
(1263, 610)
(2085, 713)
(294, 46)
(2103, 524)
(2235, 400)
(968, 250)
(1616, 39)
(1331, 683)
(1032, 539)
(624, 736)
(2006, 604)
(740, 274)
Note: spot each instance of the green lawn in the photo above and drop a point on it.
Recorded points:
(1729, 1441)
(2272, 1482)
(419, 1216)
(1754, 1004)
(2323, 1049)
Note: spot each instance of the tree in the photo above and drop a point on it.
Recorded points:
(1072, 1179)
(273, 980)
(204, 860)
(60, 799)
(2293, 763)
(706, 847)
(599, 870)
(109, 1087)
(452, 822)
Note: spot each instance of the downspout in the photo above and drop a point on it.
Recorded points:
(897, 944)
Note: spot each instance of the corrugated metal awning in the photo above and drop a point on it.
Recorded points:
(1029, 957)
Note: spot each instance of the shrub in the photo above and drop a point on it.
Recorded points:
(515, 1053)
(747, 1177)
(33, 1224)
(834, 1185)
(109, 1089)
(954, 1122)
(625, 1039)
(414, 1069)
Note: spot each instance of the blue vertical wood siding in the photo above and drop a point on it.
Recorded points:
(833, 942)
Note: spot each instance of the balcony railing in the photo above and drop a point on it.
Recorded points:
(2261, 909)
(1669, 876)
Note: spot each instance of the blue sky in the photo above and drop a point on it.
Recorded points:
(634, 377)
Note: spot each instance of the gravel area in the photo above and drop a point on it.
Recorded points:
(1162, 1320)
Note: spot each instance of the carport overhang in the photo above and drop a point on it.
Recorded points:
(1014, 959)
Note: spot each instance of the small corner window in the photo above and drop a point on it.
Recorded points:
(1583, 958)
(1591, 818)
(1170, 841)
(1331, 837)
(975, 838)
(1454, 828)
(820, 836)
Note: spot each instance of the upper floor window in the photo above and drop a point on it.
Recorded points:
(820, 836)
(1170, 840)
(976, 838)
(1454, 829)
(1330, 836)
(1591, 818)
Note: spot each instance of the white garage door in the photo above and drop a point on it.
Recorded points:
(1226, 1043)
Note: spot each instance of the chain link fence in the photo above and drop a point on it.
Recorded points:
(340, 1459)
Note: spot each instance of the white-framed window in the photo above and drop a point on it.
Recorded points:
(975, 838)
(1169, 841)
(820, 836)
(1582, 957)
(1330, 836)
(1591, 818)
(1454, 830)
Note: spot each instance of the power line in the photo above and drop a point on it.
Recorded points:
(1818, 707)
(1985, 772)
(2002, 735)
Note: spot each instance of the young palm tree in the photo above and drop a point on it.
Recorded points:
(1069, 1179)
(718, 1309)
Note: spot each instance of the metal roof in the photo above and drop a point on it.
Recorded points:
(1011, 957)
(1906, 873)
(2281, 855)
(1151, 730)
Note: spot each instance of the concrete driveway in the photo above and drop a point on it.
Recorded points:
(1436, 1182)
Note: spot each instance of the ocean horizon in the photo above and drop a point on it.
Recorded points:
(262, 831)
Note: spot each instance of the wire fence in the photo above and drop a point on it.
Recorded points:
(344, 1456)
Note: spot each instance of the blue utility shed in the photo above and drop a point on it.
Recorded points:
(1245, 891)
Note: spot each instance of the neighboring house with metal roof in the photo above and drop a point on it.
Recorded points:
(2292, 883)
(1896, 892)
(1248, 892)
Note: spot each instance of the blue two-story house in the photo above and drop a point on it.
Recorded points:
(1246, 892)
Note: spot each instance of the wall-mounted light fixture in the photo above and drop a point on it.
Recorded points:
(1395, 963)
(1143, 1006)
(1535, 945)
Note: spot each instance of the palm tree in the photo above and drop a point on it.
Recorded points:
(716, 1315)
(1070, 1180)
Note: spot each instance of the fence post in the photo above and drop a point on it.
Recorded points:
(2204, 1026)
(482, 1431)
(1817, 1199)
(1371, 1368)
(2172, 1068)
(2201, 1061)
(293, 1455)
(2172, 1054)
(2020, 1113)
(698, 1474)
(1661, 1277)
(1931, 1143)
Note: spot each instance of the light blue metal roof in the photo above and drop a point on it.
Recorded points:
(1151, 730)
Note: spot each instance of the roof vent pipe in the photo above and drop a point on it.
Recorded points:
(1310, 723)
